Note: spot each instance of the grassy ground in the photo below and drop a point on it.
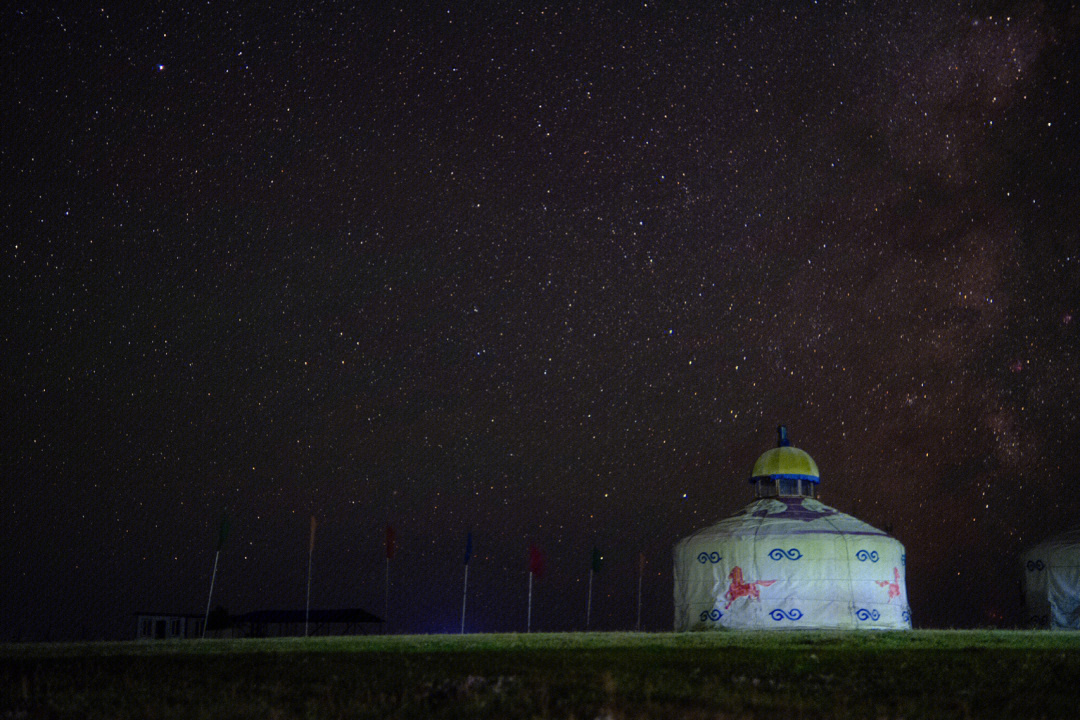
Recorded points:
(946, 674)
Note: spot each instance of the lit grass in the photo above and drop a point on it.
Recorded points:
(906, 640)
(584, 675)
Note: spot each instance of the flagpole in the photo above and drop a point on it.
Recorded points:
(588, 605)
(307, 608)
(528, 620)
(386, 600)
(641, 569)
(464, 595)
(206, 617)
(311, 550)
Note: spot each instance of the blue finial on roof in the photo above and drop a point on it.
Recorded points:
(782, 440)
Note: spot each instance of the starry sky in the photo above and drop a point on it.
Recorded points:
(543, 273)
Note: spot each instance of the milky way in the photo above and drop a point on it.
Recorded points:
(542, 275)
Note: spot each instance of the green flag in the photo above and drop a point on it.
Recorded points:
(597, 559)
(223, 531)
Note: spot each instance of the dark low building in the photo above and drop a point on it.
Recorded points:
(285, 623)
(258, 623)
(167, 626)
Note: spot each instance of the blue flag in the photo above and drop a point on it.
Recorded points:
(468, 548)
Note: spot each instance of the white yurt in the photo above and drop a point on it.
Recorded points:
(789, 561)
(1052, 582)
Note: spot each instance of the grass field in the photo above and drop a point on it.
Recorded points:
(943, 674)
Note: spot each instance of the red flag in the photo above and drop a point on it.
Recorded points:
(537, 561)
(311, 547)
(641, 562)
(391, 538)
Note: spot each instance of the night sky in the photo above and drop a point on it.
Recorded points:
(550, 275)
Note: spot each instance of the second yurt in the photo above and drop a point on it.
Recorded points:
(1052, 582)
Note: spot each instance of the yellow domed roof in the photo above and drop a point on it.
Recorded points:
(785, 463)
